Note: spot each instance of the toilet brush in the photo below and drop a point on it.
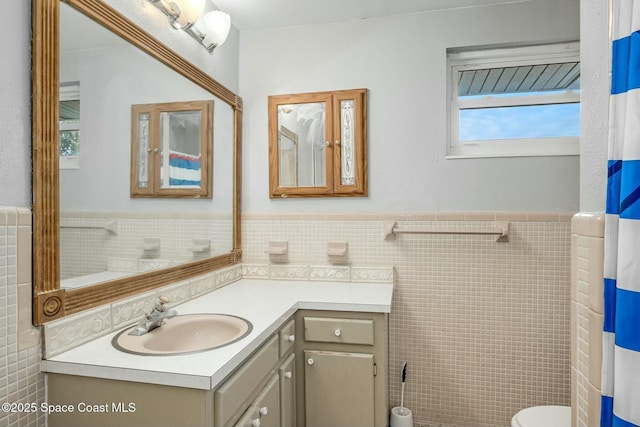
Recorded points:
(403, 378)
(401, 416)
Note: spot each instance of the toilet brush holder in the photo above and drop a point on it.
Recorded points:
(401, 417)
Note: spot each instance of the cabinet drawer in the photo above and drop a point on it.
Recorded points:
(335, 330)
(287, 337)
(234, 392)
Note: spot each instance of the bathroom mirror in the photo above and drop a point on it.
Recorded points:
(90, 204)
(317, 144)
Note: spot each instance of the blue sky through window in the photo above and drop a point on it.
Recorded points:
(531, 121)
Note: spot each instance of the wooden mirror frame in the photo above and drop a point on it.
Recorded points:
(49, 301)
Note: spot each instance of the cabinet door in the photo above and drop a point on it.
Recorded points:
(339, 389)
(265, 411)
(287, 392)
(268, 403)
(350, 151)
(249, 419)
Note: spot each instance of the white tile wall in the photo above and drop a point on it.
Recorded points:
(86, 251)
(21, 381)
(587, 309)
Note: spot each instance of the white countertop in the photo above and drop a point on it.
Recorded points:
(265, 303)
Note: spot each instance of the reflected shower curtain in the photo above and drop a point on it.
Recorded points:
(621, 342)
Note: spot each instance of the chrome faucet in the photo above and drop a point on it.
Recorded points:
(155, 319)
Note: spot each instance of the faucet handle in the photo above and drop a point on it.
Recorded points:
(161, 304)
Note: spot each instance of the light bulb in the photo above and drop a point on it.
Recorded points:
(217, 24)
(190, 11)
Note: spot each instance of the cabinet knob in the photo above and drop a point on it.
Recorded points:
(310, 361)
(338, 332)
(290, 338)
(337, 142)
(264, 410)
(256, 422)
(288, 374)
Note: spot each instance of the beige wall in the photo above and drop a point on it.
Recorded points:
(484, 326)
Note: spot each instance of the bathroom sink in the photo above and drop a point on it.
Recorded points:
(187, 333)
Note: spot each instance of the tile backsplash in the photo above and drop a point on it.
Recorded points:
(72, 331)
(93, 242)
(21, 381)
(483, 325)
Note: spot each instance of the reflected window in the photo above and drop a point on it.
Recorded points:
(69, 125)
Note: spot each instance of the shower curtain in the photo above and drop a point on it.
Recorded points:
(621, 342)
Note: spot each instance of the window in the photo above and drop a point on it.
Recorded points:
(521, 101)
(69, 125)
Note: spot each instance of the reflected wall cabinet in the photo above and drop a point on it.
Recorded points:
(171, 146)
(318, 144)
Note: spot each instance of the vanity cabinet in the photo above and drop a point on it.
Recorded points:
(344, 358)
(247, 399)
(259, 393)
(234, 394)
(318, 369)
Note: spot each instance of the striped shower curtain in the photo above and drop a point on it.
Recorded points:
(621, 342)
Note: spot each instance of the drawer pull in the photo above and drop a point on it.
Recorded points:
(264, 410)
(288, 374)
(290, 338)
(338, 332)
(310, 361)
(256, 422)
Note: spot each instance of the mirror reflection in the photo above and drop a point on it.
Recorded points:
(170, 149)
(104, 232)
(181, 137)
(302, 144)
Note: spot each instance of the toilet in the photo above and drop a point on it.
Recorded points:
(543, 416)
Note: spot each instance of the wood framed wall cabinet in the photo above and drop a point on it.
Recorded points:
(171, 145)
(318, 144)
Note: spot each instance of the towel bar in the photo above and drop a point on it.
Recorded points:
(111, 227)
(501, 230)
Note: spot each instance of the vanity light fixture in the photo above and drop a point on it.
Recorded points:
(210, 29)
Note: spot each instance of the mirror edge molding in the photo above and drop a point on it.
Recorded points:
(49, 301)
